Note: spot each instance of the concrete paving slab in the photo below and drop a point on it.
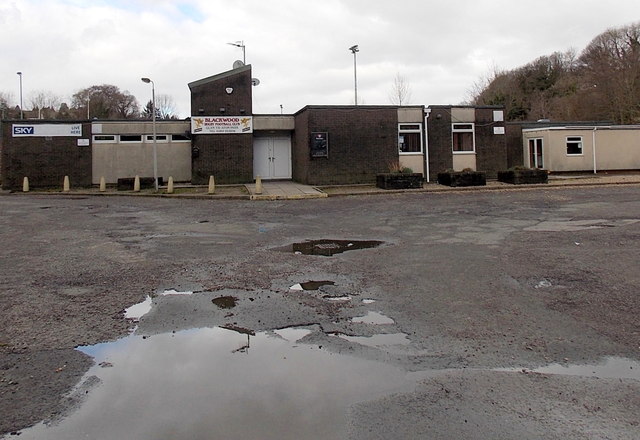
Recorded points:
(284, 190)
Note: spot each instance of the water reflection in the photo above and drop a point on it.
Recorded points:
(194, 384)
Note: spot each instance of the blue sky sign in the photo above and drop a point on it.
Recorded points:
(46, 130)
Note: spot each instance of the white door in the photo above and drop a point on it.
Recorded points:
(535, 153)
(272, 157)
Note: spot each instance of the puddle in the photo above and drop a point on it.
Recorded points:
(225, 302)
(137, 311)
(337, 298)
(377, 341)
(293, 334)
(175, 292)
(543, 284)
(311, 285)
(328, 248)
(197, 384)
(579, 225)
(611, 368)
(376, 318)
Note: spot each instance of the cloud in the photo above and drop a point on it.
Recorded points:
(299, 50)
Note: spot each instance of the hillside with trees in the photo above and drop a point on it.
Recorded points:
(602, 83)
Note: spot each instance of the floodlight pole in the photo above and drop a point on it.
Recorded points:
(155, 149)
(21, 114)
(354, 49)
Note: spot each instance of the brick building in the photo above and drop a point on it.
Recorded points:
(318, 145)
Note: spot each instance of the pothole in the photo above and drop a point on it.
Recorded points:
(137, 311)
(311, 285)
(377, 341)
(225, 302)
(375, 318)
(610, 368)
(176, 292)
(222, 383)
(327, 247)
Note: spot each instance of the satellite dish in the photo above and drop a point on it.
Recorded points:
(237, 64)
(255, 81)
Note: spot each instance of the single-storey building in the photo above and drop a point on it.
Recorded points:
(317, 145)
(569, 148)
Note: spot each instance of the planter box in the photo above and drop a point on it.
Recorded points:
(399, 180)
(519, 177)
(463, 178)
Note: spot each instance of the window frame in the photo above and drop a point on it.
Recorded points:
(114, 139)
(186, 139)
(471, 130)
(403, 129)
(131, 142)
(574, 140)
(148, 138)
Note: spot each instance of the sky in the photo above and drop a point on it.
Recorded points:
(299, 50)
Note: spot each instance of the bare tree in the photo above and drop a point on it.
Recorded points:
(165, 108)
(45, 102)
(400, 93)
(5, 104)
(611, 62)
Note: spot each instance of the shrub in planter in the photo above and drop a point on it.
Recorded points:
(465, 177)
(519, 176)
(399, 177)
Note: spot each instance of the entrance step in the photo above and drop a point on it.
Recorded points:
(284, 191)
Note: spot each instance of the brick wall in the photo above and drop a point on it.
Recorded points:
(228, 157)
(440, 141)
(515, 156)
(45, 160)
(491, 149)
(362, 142)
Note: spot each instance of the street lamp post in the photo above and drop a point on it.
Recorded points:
(21, 114)
(354, 49)
(155, 150)
(241, 45)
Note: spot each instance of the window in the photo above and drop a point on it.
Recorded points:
(130, 138)
(410, 138)
(574, 145)
(159, 138)
(111, 138)
(464, 140)
(179, 138)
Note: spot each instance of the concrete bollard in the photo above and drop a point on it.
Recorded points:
(212, 185)
(103, 184)
(136, 184)
(170, 185)
(25, 184)
(258, 185)
(65, 184)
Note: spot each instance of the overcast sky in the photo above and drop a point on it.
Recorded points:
(299, 50)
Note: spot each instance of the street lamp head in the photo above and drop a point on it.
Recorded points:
(146, 80)
(19, 73)
(354, 48)
(237, 44)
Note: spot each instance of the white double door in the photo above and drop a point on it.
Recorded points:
(272, 157)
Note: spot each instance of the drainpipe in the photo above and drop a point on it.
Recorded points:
(427, 112)
(595, 171)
